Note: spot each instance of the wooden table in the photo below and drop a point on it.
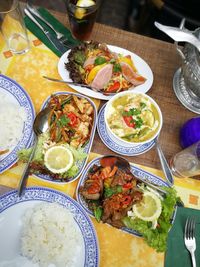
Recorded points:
(164, 61)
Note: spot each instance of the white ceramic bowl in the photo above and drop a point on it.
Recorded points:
(120, 140)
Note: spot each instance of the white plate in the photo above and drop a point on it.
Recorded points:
(113, 145)
(87, 147)
(19, 97)
(142, 67)
(12, 209)
(138, 172)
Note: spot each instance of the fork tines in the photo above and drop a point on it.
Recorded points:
(190, 227)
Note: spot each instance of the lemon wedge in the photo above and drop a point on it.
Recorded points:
(81, 5)
(58, 159)
(85, 3)
(149, 208)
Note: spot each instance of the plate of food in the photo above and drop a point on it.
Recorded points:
(107, 69)
(62, 151)
(16, 120)
(128, 198)
(50, 229)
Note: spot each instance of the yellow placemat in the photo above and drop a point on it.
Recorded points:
(117, 249)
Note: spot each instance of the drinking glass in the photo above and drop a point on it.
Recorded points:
(12, 26)
(187, 162)
(82, 18)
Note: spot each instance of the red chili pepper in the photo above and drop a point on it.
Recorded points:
(128, 186)
(126, 200)
(114, 87)
(73, 119)
(129, 121)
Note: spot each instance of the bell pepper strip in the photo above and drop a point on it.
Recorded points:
(129, 121)
(73, 119)
(113, 87)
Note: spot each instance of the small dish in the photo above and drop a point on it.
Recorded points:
(110, 142)
(132, 119)
(142, 67)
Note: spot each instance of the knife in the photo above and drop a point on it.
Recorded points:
(55, 42)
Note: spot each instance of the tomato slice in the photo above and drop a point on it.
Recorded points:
(114, 87)
(73, 119)
(129, 121)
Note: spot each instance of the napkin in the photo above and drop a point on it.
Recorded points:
(177, 255)
(57, 25)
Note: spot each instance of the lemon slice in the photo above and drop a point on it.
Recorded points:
(80, 12)
(149, 208)
(85, 3)
(58, 159)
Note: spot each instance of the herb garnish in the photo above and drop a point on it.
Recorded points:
(99, 61)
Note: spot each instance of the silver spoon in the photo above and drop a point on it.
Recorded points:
(165, 167)
(40, 126)
(78, 84)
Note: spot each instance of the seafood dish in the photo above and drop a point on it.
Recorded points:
(115, 196)
(105, 71)
(62, 150)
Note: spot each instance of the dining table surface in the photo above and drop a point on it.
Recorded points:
(164, 61)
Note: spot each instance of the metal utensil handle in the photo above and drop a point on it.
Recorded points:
(37, 14)
(28, 13)
(165, 165)
(26, 170)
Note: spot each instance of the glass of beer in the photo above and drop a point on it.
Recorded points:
(82, 16)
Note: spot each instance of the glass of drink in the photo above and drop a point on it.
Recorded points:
(82, 15)
(12, 26)
(187, 162)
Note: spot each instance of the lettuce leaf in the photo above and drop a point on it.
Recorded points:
(156, 238)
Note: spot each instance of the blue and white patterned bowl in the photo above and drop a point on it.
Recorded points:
(115, 146)
(80, 164)
(121, 141)
(138, 172)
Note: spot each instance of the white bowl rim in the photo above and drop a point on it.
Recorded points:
(133, 93)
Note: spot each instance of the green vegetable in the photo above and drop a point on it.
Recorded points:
(99, 61)
(109, 191)
(71, 172)
(98, 211)
(156, 238)
(79, 57)
(64, 120)
(131, 112)
(138, 122)
(117, 68)
(142, 105)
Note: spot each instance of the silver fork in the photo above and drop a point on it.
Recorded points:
(190, 241)
(61, 37)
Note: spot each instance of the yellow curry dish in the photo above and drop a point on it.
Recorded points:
(133, 118)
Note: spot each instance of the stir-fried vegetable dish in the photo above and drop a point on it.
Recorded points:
(60, 149)
(115, 196)
(95, 65)
(70, 120)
